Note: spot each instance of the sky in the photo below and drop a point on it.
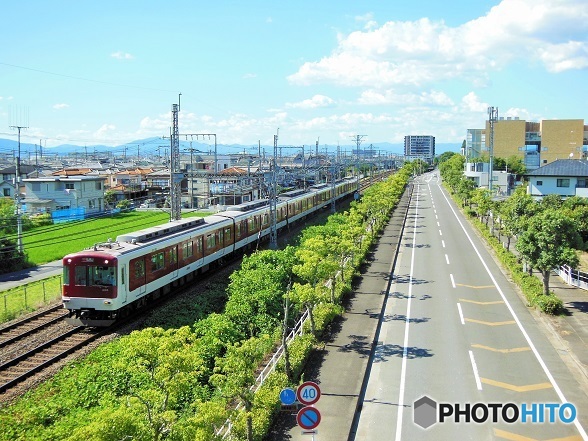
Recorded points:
(107, 72)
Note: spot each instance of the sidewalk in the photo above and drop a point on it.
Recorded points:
(18, 278)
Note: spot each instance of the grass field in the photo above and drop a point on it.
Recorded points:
(29, 297)
(46, 244)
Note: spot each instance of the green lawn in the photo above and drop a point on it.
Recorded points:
(46, 244)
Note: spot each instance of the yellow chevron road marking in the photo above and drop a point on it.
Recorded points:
(516, 437)
(527, 388)
(504, 351)
(508, 322)
(474, 286)
(482, 303)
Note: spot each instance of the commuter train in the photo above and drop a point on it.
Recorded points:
(109, 280)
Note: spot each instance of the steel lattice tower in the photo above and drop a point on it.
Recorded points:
(175, 179)
(273, 199)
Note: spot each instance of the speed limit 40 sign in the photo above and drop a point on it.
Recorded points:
(308, 393)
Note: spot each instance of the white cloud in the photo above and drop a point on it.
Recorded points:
(249, 75)
(7, 98)
(106, 131)
(121, 55)
(376, 97)
(472, 103)
(60, 106)
(312, 103)
(554, 33)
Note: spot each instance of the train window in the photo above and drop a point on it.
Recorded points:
(66, 275)
(173, 255)
(80, 276)
(228, 233)
(199, 245)
(238, 230)
(101, 275)
(265, 218)
(122, 276)
(210, 241)
(139, 269)
(157, 262)
(252, 224)
(187, 250)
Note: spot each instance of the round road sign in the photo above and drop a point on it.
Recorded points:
(308, 418)
(287, 396)
(308, 393)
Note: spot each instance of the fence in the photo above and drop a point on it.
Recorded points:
(573, 277)
(68, 215)
(24, 298)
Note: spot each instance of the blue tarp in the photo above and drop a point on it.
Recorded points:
(68, 215)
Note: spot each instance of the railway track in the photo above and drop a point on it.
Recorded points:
(30, 325)
(26, 364)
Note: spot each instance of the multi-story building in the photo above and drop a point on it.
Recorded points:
(419, 147)
(537, 143)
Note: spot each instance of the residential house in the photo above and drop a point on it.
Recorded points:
(502, 181)
(564, 177)
(8, 183)
(47, 194)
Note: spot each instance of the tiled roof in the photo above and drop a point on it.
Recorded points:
(562, 167)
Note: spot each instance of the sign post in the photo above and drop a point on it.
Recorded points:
(308, 393)
(309, 417)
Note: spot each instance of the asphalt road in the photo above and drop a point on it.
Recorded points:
(455, 330)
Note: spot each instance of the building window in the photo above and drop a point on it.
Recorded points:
(91, 204)
(98, 185)
(582, 183)
(7, 192)
(539, 183)
(36, 186)
(563, 182)
(7, 177)
(69, 186)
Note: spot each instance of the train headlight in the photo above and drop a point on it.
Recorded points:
(106, 261)
(107, 302)
(68, 260)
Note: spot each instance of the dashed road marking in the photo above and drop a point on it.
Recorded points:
(515, 388)
(504, 351)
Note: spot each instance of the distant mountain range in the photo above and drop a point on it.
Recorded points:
(151, 145)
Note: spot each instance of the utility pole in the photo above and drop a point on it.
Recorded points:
(492, 118)
(17, 195)
(273, 241)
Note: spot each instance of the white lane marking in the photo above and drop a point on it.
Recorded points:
(440, 233)
(475, 368)
(443, 243)
(406, 327)
(438, 224)
(436, 217)
(460, 314)
(452, 281)
(447, 259)
(518, 322)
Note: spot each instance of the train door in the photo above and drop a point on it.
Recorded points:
(173, 260)
(123, 287)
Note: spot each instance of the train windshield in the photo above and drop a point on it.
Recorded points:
(92, 275)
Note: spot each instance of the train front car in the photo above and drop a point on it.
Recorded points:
(90, 288)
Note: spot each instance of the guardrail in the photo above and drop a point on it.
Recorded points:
(573, 277)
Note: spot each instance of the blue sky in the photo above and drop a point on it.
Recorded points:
(108, 72)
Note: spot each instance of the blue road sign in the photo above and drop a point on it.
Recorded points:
(308, 418)
(287, 396)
